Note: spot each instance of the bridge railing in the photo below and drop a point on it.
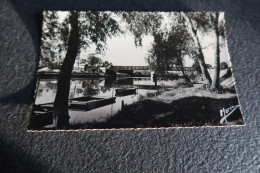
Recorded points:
(116, 68)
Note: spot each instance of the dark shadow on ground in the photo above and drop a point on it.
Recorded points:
(13, 160)
(22, 96)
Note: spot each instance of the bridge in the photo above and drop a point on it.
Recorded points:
(117, 68)
(131, 68)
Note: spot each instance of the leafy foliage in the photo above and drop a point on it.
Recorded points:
(142, 23)
(169, 50)
(204, 22)
(106, 64)
(94, 28)
(93, 60)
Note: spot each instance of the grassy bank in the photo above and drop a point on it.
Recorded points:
(179, 92)
(181, 105)
(189, 111)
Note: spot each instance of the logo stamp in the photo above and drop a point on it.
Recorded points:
(225, 113)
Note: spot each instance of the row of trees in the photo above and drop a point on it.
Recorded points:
(180, 36)
(81, 29)
(95, 61)
(169, 48)
(206, 22)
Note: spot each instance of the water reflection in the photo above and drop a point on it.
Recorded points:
(98, 87)
(91, 87)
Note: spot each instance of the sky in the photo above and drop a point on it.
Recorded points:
(121, 49)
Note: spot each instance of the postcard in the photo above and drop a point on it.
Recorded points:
(132, 70)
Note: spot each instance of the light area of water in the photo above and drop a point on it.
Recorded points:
(47, 89)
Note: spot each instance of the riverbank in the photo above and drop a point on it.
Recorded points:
(55, 75)
(177, 107)
(181, 91)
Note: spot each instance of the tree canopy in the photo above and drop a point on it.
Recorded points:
(169, 50)
(94, 29)
(94, 61)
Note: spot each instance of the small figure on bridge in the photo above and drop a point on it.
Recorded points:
(155, 79)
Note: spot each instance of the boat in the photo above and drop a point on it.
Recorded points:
(55, 75)
(125, 91)
(89, 103)
(79, 104)
(226, 80)
(43, 113)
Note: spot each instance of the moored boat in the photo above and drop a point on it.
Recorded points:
(43, 113)
(89, 103)
(125, 91)
(79, 104)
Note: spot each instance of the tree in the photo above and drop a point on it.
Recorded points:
(94, 62)
(141, 23)
(199, 21)
(215, 81)
(93, 28)
(196, 66)
(168, 51)
(159, 58)
(106, 64)
(207, 22)
(219, 29)
(60, 111)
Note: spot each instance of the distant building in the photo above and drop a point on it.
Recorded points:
(78, 67)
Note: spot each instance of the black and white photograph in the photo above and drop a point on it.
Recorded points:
(131, 70)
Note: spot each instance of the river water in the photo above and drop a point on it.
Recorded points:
(99, 87)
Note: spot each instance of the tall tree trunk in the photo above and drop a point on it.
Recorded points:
(201, 58)
(61, 113)
(180, 63)
(203, 68)
(78, 63)
(215, 81)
